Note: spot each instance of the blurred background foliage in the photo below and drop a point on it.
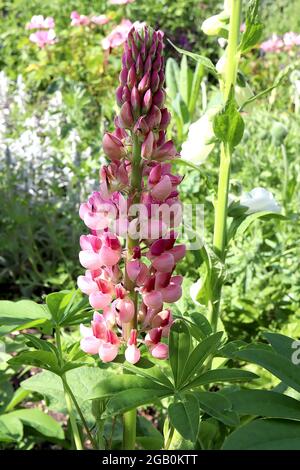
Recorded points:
(55, 104)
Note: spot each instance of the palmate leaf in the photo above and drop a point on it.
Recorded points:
(219, 376)
(184, 416)
(147, 369)
(40, 421)
(198, 355)
(22, 314)
(264, 403)
(180, 345)
(282, 344)
(44, 359)
(280, 366)
(218, 406)
(265, 434)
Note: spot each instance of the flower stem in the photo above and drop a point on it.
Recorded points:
(129, 418)
(72, 417)
(220, 227)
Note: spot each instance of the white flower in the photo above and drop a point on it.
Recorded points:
(258, 200)
(215, 24)
(194, 290)
(197, 147)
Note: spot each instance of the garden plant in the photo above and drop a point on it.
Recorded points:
(181, 331)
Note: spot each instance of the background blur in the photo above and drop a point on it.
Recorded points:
(55, 103)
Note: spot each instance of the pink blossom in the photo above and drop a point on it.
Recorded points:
(98, 286)
(100, 19)
(39, 22)
(132, 352)
(99, 339)
(273, 44)
(118, 35)
(290, 40)
(43, 38)
(79, 20)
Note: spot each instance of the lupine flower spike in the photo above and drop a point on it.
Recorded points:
(130, 253)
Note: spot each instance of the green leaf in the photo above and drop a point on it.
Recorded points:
(44, 359)
(11, 429)
(240, 225)
(197, 357)
(264, 403)
(172, 72)
(147, 436)
(195, 90)
(265, 434)
(199, 325)
(278, 365)
(218, 406)
(117, 383)
(179, 345)
(254, 27)
(228, 124)
(81, 382)
(124, 401)
(181, 109)
(147, 369)
(282, 344)
(57, 303)
(207, 63)
(22, 314)
(184, 416)
(221, 375)
(278, 80)
(40, 421)
(185, 80)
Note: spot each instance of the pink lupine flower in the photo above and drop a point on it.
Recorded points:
(39, 22)
(79, 20)
(99, 339)
(290, 40)
(100, 20)
(43, 38)
(118, 35)
(131, 252)
(132, 352)
(273, 44)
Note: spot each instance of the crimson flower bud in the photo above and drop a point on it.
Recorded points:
(165, 119)
(139, 66)
(131, 79)
(119, 95)
(141, 126)
(123, 76)
(125, 117)
(159, 98)
(147, 146)
(113, 147)
(147, 101)
(135, 99)
(144, 83)
(154, 117)
(155, 81)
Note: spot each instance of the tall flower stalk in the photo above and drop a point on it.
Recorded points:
(227, 87)
(130, 253)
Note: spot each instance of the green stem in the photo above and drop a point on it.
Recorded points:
(129, 418)
(74, 427)
(220, 227)
(286, 174)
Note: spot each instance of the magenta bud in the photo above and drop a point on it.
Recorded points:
(144, 83)
(157, 63)
(141, 126)
(134, 51)
(119, 95)
(155, 81)
(128, 60)
(147, 146)
(135, 99)
(143, 52)
(152, 50)
(161, 78)
(160, 47)
(154, 177)
(167, 150)
(131, 79)
(165, 119)
(113, 147)
(123, 76)
(154, 117)
(139, 66)
(159, 98)
(125, 116)
(147, 101)
(148, 64)
(126, 94)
